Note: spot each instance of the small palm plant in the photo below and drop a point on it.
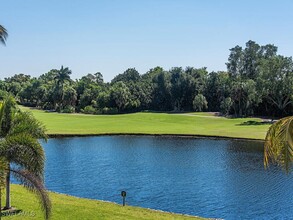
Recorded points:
(21, 154)
(279, 144)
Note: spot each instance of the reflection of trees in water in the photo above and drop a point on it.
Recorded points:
(244, 155)
(245, 146)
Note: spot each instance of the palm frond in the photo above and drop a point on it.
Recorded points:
(3, 34)
(34, 184)
(26, 123)
(279, 144)
(25, 151)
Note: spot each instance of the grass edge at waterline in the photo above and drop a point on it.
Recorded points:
(142, 123)
(70, 207)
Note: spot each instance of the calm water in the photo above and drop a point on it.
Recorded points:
(210, 178)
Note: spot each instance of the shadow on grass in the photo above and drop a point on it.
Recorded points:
(246, 123)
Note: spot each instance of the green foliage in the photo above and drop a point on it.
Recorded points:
(226, 105)
(89, 110)
(68, 109)
(244, 96)
(7, 109)
(121, 95)
(62, 79)
(130, 75)
(276, 81)
(109, 111)
(258, 81)
(19, 145)
(200, 103)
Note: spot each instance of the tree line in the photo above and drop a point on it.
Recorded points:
(258, 81)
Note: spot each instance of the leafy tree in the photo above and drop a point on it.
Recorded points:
(161, 92)
(235, 61)
(218, 88)
(89, 95)
(15, 83)
(103, 99)
(120, 94)
(19, 145)
(251, 57)
(258, 81)
(226, 105)
(200, 103)
(70, 96)
(99, 78)
(277, 81)
(244, 96)
(184, 86)
(3, 34)
(244, 63)
(147, 86)
(32, 93)
(130, 75)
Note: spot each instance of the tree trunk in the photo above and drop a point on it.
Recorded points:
(0, 203)
(8, 205)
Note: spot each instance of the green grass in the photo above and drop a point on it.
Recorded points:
(69, 207)
(151, 123)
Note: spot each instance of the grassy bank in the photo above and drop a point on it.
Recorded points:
(69, 207)
(152, 123)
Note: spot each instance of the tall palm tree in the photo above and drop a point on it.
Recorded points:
(21, 152)
(3, 34)
(279, 144)
(61, 78)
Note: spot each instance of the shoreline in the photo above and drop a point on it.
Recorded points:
(115, 203)
(193, 136)
(70, 206)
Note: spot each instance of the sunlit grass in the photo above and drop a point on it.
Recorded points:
(68, 207)
(151, 123)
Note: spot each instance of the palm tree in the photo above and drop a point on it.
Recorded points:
(3, 34)
(279, 144)
(21, 152)
(62, 76)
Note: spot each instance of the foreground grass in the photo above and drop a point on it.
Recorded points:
(151, 123)
(69, 207)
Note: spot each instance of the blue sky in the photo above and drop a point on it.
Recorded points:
(110, 36)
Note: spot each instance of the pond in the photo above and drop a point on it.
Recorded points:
(209, 178)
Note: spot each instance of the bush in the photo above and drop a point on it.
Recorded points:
(89, 110)
(68, 109)
(3, 94)
(107, 110)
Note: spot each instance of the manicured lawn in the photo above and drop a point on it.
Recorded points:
(69, 207)
(151, 123)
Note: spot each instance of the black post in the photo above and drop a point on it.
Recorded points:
(123, 194)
